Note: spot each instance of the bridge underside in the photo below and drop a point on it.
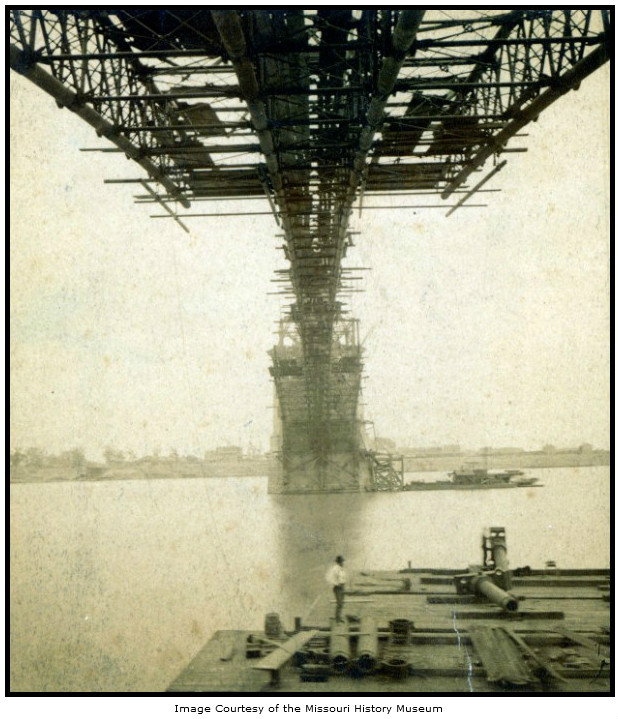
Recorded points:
(310, 111)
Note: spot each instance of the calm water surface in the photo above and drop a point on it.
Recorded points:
(115, 585)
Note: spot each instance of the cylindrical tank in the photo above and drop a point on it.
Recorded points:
(367, 645)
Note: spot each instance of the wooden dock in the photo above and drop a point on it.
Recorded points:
(557, 641)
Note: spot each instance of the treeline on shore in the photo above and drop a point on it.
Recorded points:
(36, 465)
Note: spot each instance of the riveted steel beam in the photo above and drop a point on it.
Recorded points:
(232, 35)
(22, 64)
(569, 80)
(403, 37)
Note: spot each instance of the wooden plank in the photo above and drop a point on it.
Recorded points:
(593, 648)
(533, 656)
(546, 581)
(536, 615)
(276, 659)
(464, 599)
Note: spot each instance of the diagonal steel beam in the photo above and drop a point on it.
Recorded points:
(230, 30)
(570, 80)
(22, 64)
(404, 35)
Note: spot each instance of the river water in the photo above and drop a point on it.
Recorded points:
(115, 585)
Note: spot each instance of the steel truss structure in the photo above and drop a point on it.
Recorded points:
(311, 110)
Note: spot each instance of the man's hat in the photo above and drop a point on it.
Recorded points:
(339, 558)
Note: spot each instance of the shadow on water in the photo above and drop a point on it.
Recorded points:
(436, 529)
(313, 530)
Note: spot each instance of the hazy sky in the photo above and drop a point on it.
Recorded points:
(490, 327)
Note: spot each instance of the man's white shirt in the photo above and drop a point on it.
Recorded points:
(336, 575)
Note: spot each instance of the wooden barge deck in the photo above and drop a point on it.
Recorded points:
(425, 638)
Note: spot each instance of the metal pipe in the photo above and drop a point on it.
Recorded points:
(215, 91)
(502, 575)
(339, 648)
(164, 205)
(127, 54)
(367, 645)
(21, 63)
(326, 213)
(482, 584)
(259, 196)
(411, 84)
(197, 127)
(524, 41)
(498, 549)
(476, 188)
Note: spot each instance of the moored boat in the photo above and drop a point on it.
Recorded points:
(476, 478)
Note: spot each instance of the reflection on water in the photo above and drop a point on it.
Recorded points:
(116, 585)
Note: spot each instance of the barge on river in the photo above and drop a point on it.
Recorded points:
(480, 629)
(476, 479)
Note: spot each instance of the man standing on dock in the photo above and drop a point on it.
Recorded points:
(337, 578)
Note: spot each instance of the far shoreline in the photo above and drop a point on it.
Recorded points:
(260, 467)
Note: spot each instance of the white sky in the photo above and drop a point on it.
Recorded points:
(490, 327)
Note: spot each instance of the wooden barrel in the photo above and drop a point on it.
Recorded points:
(400, 630)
